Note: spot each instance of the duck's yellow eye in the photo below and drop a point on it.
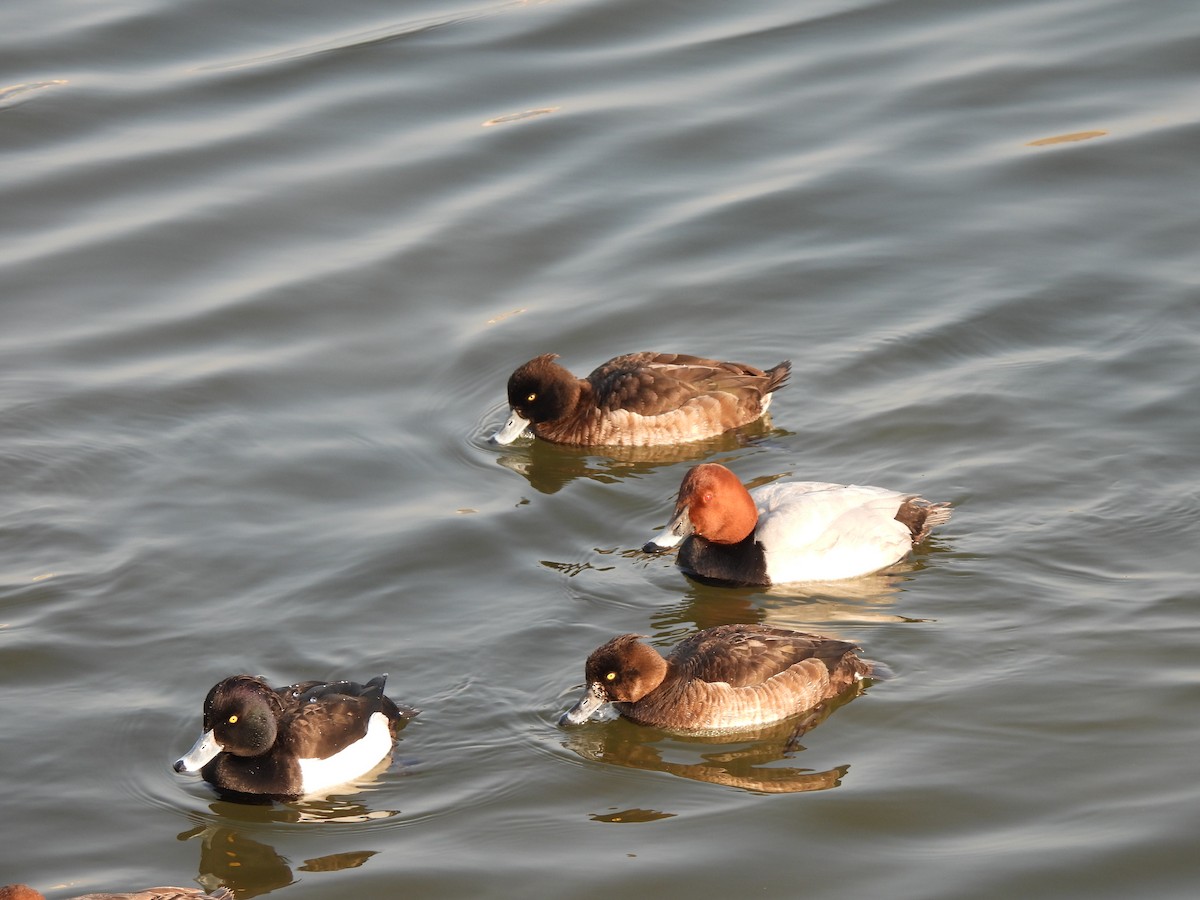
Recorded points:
(233, 720)
(611, 676)
(531, 397)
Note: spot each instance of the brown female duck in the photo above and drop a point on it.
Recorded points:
(639, 399)
(722, 679)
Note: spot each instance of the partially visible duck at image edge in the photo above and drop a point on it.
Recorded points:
(25, 892)
(792, 530)
(727, 678)
(284, 743)
(637, 400)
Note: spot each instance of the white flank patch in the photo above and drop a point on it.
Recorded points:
(317, 775)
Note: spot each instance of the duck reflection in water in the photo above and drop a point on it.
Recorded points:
(252, 868)
(869, 599)
(550, 467)
(746, 761)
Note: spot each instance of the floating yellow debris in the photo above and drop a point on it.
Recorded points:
(516, 117)
(16, 93)
(496, 320)
(1066, 138)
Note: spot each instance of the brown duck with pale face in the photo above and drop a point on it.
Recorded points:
(637, 400)
(727, 678)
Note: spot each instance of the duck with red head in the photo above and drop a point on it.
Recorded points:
(790, 531)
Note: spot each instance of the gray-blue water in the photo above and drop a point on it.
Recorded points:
(265, 268)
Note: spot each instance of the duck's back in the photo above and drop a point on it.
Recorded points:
(650, 383)
(814, 531)
(667, 398)
(738, 676)
(741, 655)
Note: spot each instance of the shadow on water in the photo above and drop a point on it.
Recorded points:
(744, 760)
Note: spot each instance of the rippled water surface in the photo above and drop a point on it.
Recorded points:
(265, 268)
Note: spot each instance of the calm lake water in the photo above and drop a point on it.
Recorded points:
(264, 271)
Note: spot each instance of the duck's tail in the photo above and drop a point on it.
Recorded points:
(778, 376)
(920, 516)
